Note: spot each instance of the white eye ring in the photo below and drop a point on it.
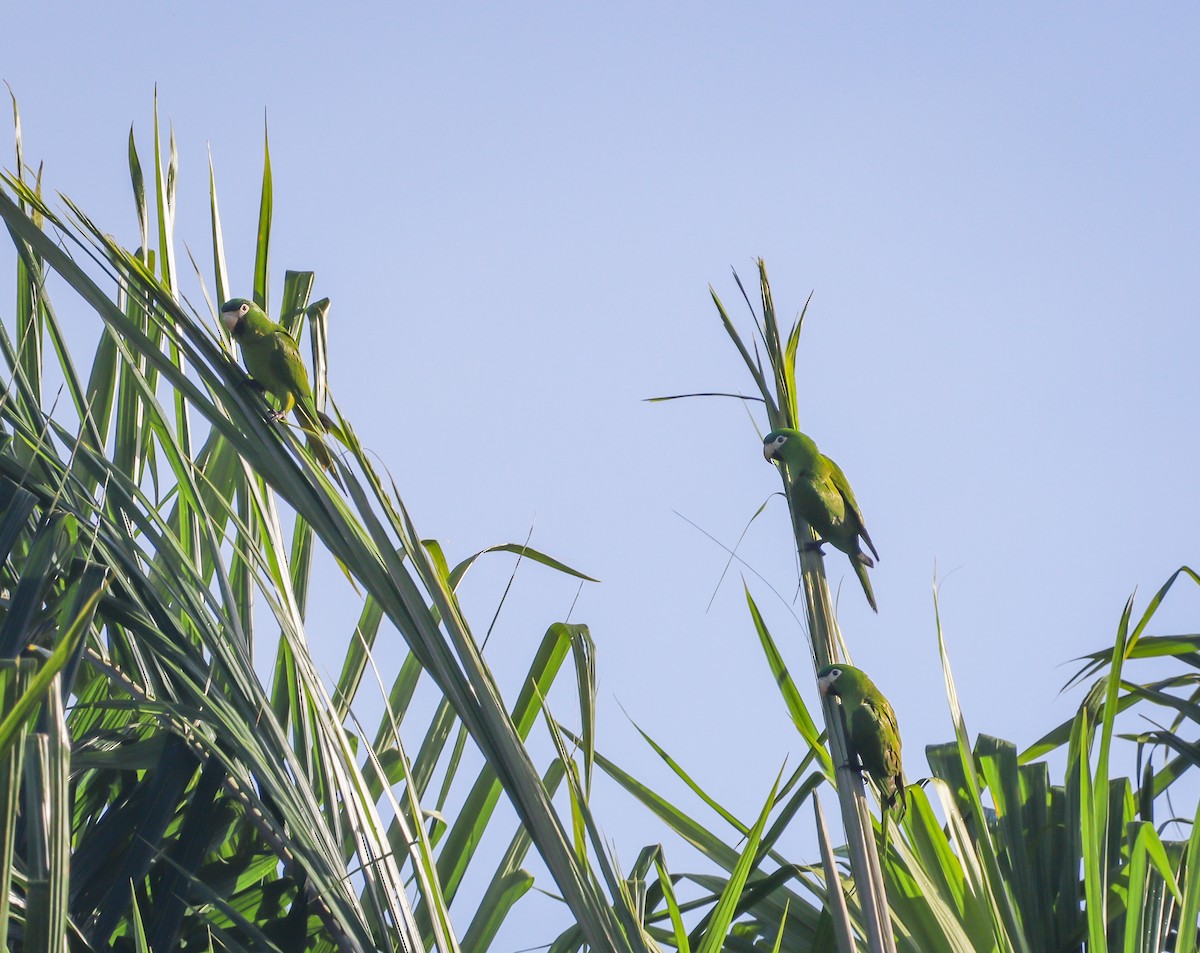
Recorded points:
(243, 309)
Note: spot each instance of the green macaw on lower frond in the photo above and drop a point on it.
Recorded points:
(874, 734)
(273, 360)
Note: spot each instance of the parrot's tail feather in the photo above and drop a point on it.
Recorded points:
(860, 570)
(866, 537)
(311, 423)
(314, 426)
(331, 426)
(320, 452)
(898, 802)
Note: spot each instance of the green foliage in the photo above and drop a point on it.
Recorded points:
(992, 855)
(155, 523)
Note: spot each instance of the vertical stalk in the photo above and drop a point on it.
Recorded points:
(827, 646)
(47, 804)
(15, 676)
(835, 900)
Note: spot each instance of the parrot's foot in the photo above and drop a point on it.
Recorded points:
(276, 415)
(813, 546)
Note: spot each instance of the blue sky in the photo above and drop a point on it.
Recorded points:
(517, 209)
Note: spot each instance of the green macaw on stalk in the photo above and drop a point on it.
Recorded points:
(874, 734)
(273, 360)
(822, 497)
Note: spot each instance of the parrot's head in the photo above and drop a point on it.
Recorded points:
(789, 446)
(233, 315)
(773, 444)
(837, 679)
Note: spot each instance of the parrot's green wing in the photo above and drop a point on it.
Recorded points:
(288, 365)
(876, 738)
(851, 504)
(287, 378)
(820, 504)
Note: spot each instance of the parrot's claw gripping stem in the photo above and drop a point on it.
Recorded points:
(813, 545)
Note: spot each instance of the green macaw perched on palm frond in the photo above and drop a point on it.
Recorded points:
(822, 497)
(874, 734)
(273, 360)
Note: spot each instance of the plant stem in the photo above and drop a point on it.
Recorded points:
(827, 647)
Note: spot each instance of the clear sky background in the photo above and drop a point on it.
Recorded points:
(517, 209)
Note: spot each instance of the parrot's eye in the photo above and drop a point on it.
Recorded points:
(835, 673)
(244, 308)
(780, 440)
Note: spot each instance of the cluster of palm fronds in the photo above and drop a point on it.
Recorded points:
(143, 521)
(157, 793)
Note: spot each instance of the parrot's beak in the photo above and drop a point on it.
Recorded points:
(230, 319)
(826, 685)
(768, 452)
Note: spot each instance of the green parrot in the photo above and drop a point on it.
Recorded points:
(822, 497)
(273, 360)
(874, 734)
